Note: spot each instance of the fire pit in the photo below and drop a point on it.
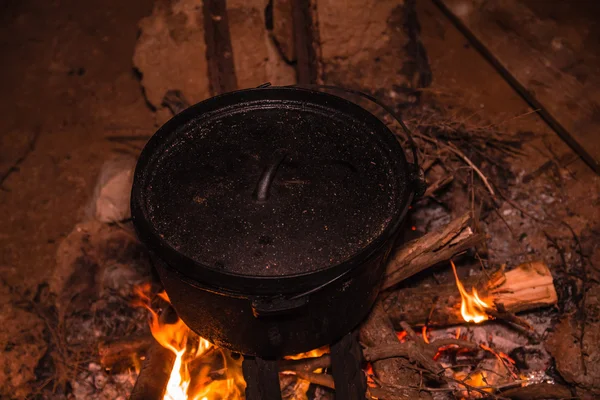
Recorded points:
(270, 214)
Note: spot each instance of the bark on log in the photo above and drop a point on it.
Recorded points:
(528, 286)
(115, 354)
(305, 364)
(538, 391)
(377, 330)
(431, 249)
(154, 376)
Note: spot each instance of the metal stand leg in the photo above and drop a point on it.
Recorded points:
(346, 358)
(262, 379)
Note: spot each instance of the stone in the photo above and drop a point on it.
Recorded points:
(170, 53)
(375, 46)
(112, 194)
(576, 355)
(97, 257)
(255, 56)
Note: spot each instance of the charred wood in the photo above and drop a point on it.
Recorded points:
(154, 375)
(431, 249)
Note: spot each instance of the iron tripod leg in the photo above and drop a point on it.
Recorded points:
(262, 376)
(348, 376)
(262, 379)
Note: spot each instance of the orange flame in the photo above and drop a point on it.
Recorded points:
(472, 308)
(187, 348)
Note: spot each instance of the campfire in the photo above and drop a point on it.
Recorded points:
(202, 371)
(299, 200)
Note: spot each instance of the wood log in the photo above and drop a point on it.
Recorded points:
(431, 249)
(305, 364)
(376, 331)
(527, 287)
(154, 375)
(539, 391)
(120, 353)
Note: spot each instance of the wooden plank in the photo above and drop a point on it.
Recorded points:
(219, 54)
(541, 60)
(306, 64)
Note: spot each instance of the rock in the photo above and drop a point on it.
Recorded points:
(375, 46)
(93, 258)
(22, 345)
(579, 362)
(112, 194)
(97, 384)
(170, 53)
(255, 56)
(283, 29)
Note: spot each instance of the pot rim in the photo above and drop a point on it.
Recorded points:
(263, 285)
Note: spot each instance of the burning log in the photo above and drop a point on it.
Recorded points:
(431, 249)
(378, 331)
(154, 375)
(528, 286)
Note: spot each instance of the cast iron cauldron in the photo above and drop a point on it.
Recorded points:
(270, 213)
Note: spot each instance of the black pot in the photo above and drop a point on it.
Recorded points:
(270, 213)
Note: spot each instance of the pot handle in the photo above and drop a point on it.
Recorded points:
(263, 307)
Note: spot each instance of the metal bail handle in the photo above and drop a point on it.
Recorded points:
(416, 175)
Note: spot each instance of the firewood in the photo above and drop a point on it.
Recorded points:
(538, 391)
(305, 364)
(527, 287)
(377, 331)
(120, 353)
(431, 249)
(154, 375)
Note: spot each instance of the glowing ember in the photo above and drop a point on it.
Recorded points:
(424, 334)
(472, 308)
(401, 336)
(189, 350)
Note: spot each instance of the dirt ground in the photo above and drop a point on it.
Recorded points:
(68, 82)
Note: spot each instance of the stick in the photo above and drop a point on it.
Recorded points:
(318, 379)
(305, 364)
(527, 287)
(403, 349)
(437, 185)
(431, 249)
(466, 159)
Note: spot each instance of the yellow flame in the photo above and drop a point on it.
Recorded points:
(478, 379)
(472, 308)
(309, 354)
(188, 347)
(188, 381)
